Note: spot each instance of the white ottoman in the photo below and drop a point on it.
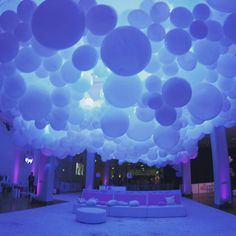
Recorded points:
(91, 215)
(77, 205)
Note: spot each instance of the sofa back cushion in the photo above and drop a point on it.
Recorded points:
(129, 196)
(101, 196)
(112, 203)
(134, 203)
(154, 198)
(91, 202)
(170, 200)
(144, 197)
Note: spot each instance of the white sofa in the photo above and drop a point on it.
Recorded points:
(166, 211)
(127, 211)
(151, 208)
(148, 211)
(140, 211)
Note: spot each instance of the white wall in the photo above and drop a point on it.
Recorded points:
(12, 159)
(7, 152)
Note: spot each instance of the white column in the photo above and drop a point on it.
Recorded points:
(221, 166)
(106, 173)
(46, 179)
(90, 165)
(186, 175)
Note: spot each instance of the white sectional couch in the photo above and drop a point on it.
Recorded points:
(152, 203)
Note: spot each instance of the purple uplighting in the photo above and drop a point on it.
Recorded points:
(16, 171)
(224, 191)
(41, 173)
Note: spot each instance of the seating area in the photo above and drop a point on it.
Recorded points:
(134, 204)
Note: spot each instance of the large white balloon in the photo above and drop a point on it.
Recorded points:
(206, 102)
(35, 104)
(122, 91)
(166, 137)
(114, 123)
(140, 131)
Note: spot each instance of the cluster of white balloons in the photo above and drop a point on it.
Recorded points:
(141, 84)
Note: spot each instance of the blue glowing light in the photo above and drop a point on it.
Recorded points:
(141, 81)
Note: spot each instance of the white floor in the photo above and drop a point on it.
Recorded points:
(57, 220)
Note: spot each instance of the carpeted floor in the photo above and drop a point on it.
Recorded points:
(58, 220)
(8, 203)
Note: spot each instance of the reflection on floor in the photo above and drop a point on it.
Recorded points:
(68, 197)
(208, 199)
(58, 220)
(9, 203)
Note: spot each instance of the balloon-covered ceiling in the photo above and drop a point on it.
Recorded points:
(134, 81)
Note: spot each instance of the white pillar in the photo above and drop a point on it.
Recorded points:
(221, 166)
(106, 173)
(90, 165)
(186, 175)
(46, 179)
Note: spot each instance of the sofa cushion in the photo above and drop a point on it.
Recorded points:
(134, 203)
(123, 203)
(161, 203)
(99, 195)
(170, 200)
(101, 203)
(81, 200)
(131, 195)
(91, 202)
(156, 196)
(112, 203)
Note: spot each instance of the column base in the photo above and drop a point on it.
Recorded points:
(224, 206)
(42, 202)
(188, 195)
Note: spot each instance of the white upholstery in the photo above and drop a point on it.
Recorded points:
(91, 215)
(112, 188)
(139, 211)
(81, 200)
(166, 211)
(170, 200)
(79, 205)
(123, 203)
(134, 203)
(127, 211)
(158, 203)
(91, 202)
(148, 211)
(112, 203)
